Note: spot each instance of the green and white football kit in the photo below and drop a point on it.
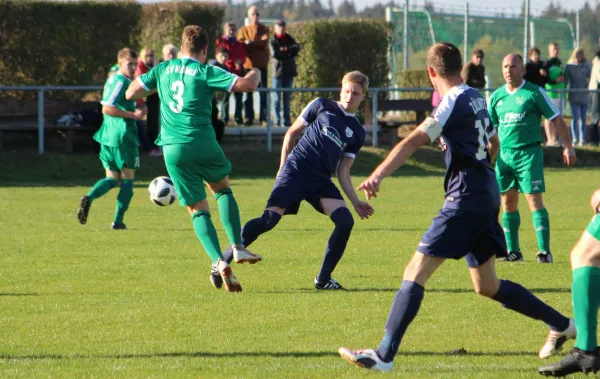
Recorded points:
(118, 150)
(192, 154)
(517, 116)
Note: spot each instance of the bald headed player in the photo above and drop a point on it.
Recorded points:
(467, 226)
(516, 110)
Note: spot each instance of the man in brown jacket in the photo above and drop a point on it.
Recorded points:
(256, 38)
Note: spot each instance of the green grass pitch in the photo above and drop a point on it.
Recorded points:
(83, 301)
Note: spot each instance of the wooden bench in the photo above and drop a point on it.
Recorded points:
(21, 116)
(420, 106)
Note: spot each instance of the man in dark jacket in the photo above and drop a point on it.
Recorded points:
(284, 49)
(473, 73)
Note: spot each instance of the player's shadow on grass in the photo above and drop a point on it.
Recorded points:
(372, 289)
(258, 354)
(9, 294)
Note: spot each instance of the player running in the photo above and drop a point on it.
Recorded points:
(118, 141)
(192, 155)
(467, 225)
(516, 110)
(585, 264)
(333, 136)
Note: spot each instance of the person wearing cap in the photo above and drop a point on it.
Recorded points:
(473, 73)
(284, 50)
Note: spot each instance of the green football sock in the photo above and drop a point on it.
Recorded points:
(205, 230)
(123, 200)
(541, 224)
(511, 222)
(586, 301)
(101, 187)
(230, 215)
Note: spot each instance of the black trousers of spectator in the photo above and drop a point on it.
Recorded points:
(152, 119)
(249, 102)
(238, 107)
(594, 137)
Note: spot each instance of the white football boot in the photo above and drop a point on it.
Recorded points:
(366, 359)
(556, 340)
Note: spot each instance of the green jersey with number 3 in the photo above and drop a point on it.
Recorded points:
(517, 115)
(186, 88)
(116, 131)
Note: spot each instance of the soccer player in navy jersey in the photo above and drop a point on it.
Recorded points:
(332, 138)
(467, 225)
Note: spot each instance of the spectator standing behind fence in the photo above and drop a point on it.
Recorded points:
(473, 73)
(237, 57)
(555, 80)
(577, 76)
(595, 103)
(284, 49)
(256, 38)
(145, 63)
(169, 51)
(533, 68)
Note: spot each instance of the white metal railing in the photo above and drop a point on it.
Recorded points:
(41, 90)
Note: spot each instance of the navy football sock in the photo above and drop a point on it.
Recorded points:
(253, 229)
(519, 299)
(404, 309)
(342, 218)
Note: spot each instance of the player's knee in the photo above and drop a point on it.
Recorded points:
(222, 192)
(486, 289)
(342, 218)
(270, 219)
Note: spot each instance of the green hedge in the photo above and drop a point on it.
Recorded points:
(75, 43)
(163, 23)
(330, 48)
(413, 79)
(63, 42)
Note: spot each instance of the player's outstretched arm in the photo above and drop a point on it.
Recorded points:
(247, 83)
(135, 91)
(559, 124)
(363, 209)
(290, 138)
(113, 111)
(396, 158)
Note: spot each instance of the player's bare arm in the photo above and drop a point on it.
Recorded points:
(110, 110)
(395, 159)
(290, 139)
(493, 147)
(247, 83)
(363, 209)
(569, 156)
(135, 91)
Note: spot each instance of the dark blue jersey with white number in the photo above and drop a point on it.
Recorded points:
(470, 182)
(331, 133)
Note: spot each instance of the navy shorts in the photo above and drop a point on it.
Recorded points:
(294, 185)
(475, 235)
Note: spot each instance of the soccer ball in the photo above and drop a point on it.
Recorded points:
(162, 192)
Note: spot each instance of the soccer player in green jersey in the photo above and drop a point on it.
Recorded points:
(118, 141)
(585, 265)
(192, 154)
(516, 110)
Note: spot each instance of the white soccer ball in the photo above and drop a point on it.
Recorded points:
(162, 192)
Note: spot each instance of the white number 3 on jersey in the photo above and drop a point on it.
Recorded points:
(177, 88)
(481, 151)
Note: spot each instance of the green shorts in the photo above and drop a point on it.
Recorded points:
(192, 164)
(521, 168)
(594, 227)
(116, 158)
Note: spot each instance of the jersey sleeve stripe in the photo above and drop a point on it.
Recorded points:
(139, 80)
(431, 127)
(550, 104)
(232, 84)
(114, 94)
(350, 155)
